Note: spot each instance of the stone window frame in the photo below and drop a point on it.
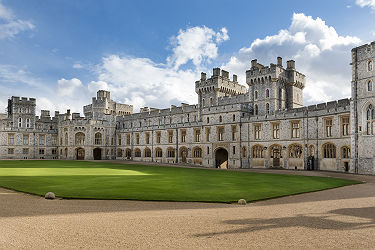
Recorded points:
(137, 138)
(345, 125)
(208, 133)
(24, 137)
(257, 152)
(158, 137)
(370, 119)
(256, 109)
(171, 152)
(267, 93)
(137, 153)
(234, 132)
(329, 150)
(328, 126)
(276, 130)
(183, 135)
(370, 65)
(345, 152)
(42, 151)
(295, 129)
(147, 152)
(11, 151)
(295, 151)
(267, 108)
(244, 152)
(197, 135)
(257, 133)
(197, 152)
(11, 138)
(170, 136)
(147, 138)
(220, 133)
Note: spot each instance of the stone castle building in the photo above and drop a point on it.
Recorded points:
(263, 126)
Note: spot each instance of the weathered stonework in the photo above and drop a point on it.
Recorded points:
(230, 127)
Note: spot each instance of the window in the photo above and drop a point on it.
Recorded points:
(128, 153)
(98, 139)
(170, 136)
(369, 65)
(234, 117)
(197, 153)
(276, 130)
(128, 139)
(211, 101)
(203, 103)
(158, 153)
(220, 119)
(257, 131)
(42, 139)
(25, 139)
(257, 151)
(10, 151)
(370, 117)
(328, 127)
(329, 150)
(137, 152)
(158, 137)
(67, 138)
(41, 151)
(345, 152)
(119, 152)
(147, 152)
(345, 127)
(208, 120)
(267, 108)
(220, 134)
(54, 140)
(234, 150)
(267, 93)
(369, 85)
(256, 109)
(295, 151)
(296, 129)
(10, 139)
(208, 133)
(80, 138)
(170, 153)
(27, 123)
(20, 122)
(256, 95)
(119, 139)
(197, 135)
(25, 151)
(183, 135)
(136, 138)
(147, 138)
(234, 131)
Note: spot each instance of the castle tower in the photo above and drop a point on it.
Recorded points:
(363, 109)
(22, 112)
(274, 88)
(219, 85)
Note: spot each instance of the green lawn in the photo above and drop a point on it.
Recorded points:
(102, 180)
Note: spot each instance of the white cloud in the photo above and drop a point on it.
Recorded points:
(10, 25)
(196, 44)
(69, 87)
(77, 66)
(366, 3)
(93, 86)
(320, 53)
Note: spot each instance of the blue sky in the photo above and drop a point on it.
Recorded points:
(149, 53)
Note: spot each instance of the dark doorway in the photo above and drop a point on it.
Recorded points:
(310, 163)
(276, 157)
(97, 154)
(221, 158)
(346, 166)
(80, 154)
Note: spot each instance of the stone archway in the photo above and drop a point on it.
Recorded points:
(221, 158)
(97, 153)
(80, 153)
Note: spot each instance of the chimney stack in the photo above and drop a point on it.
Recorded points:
(279, 61)
(216, 71)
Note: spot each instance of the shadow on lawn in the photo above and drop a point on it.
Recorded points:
(321, 221)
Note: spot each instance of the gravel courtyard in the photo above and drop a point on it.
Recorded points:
(337, 218)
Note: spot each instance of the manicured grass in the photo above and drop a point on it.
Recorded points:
(103, 180)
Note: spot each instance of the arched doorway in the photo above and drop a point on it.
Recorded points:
(80, 154)
(276, 155)
(183, 154)
(97, 154)
(221, 158)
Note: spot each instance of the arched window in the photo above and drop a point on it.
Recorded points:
(295, 151)
(256, 95)
(197, 152)
(119, 152)
(329, 150)
(80, 138)
(257, 151)
(170, 152)
(137, 152)
(370, 117)
(267, 93)
(267, 108)
(158, 153)
(147, 152)
(256, 109)
(369, 65)
(98, 139)
(345, 152)
(369, 85)
(128, 153)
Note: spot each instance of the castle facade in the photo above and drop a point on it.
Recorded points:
(264, 126)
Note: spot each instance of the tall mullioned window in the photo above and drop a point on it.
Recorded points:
(20, 122)
(158, 137)
(147, 138)
(345, 126)
(370, 117)
(137, 138)
(257, 151)
(98, 139)
(183, 135)
(170, 136)
(276, 130)
(345, 152)
(257, 131)
(329, 150)
(25, 139)
(42, 139)
(296, 130)
(27, 122)
(220, 134)
(197, 135)
(10, 139)
(328, 123)
(208, 132)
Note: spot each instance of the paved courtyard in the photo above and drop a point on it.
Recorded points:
(337, 218)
